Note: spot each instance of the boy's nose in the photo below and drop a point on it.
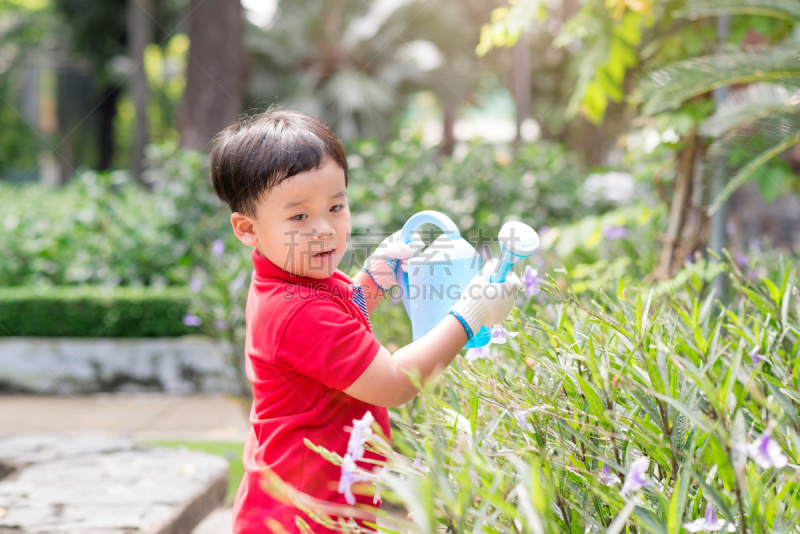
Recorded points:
(323, 229)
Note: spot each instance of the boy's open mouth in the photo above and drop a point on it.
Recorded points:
(324, 254)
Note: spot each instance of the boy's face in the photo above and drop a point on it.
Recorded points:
(302, 217)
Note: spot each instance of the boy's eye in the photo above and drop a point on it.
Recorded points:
(301, 215)
(339, 206)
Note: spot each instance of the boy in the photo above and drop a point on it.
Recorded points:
(310, 353)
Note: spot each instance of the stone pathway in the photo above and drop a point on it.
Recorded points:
(220, 521)
(141, 416)
(96, 484)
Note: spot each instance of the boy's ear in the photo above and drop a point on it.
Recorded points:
(244, 229)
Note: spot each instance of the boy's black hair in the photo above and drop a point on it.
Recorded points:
(256, 153)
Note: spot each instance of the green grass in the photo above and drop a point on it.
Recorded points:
(232, 452)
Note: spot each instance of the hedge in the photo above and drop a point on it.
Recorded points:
(92, 311)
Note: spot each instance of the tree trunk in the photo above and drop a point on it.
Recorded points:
(216, 71)
(521, 82)
(448, 121)
(107, 110)
(140, 34)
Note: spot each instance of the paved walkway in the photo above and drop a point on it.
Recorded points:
(142, 416)
(134, 416)
(138, 416)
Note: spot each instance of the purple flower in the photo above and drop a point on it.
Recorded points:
(220, 324)
(217, 248)
(617, 232)
(764, 451)
(192, 320)
(755, 355)
(741, 259)
(195, 284)
(521, 417)
(478, 353)
(636, 476)
(360, 434)
(350, 476)
(709, 523)
(500, 334)
(418, 464)
(607, 478)
(530, 281)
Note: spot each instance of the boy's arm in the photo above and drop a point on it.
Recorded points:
(372, 293)
(384, 383)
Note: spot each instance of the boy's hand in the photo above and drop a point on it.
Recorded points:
(382, 263)
(484, 303)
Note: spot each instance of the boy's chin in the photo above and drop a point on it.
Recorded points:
(319, 272)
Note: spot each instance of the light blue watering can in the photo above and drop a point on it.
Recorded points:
(437, 277)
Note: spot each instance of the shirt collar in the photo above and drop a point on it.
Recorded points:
(338, 283)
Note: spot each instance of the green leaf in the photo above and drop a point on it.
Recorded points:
(789, 139)
(621, 518)
(669, 87)
(784, 9)
(773, 291)
(677, 503)
(473, 412)
(650, 520)
(595, 403)
(746, 105)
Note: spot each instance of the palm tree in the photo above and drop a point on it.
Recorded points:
(764, 109)
(751, 126)
(335, 59)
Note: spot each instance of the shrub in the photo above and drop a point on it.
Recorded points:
(611, 411)
(88, 311)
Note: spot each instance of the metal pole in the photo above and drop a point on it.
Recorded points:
(718, 220)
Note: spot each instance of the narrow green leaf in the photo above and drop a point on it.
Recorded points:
(595, 403)
(677, 503)
(473, 412)
(619, 521)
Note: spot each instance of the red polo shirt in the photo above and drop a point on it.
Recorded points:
(306, 341)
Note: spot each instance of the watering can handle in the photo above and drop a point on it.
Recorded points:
(429, 216)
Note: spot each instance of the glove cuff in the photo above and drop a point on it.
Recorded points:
(463, 322)
(470, 312)
(382, 280)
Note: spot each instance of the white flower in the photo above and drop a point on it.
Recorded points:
(500, 334)
(607, 478)
(478, 353)
(350, 476)
(709, 523)
(521, 416)
(764, 451)
(636, 476)
(418, 465)
(359, 435)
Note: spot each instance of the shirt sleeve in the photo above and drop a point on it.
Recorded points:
(328, 344)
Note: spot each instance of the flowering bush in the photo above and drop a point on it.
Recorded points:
(612, 411)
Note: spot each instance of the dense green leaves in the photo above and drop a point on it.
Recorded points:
(565, 410)
(668, 87)
(90, 312)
